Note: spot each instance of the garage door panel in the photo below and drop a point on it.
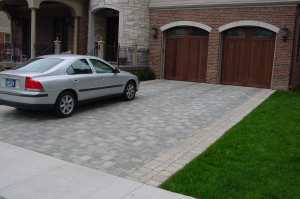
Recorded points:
(180, 60)
(228, 61)
(255, 66)
(170, 62)
(240, 65)
(197, 59)
(193, 59)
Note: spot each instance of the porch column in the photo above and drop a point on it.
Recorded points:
(33, 33)
(75, 44)
(12, 32)
(134, 57)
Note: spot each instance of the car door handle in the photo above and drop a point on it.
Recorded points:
(76, 80)
(102, 78)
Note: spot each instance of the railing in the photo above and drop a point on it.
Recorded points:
(22, 52)
(93, 51)
(14, 53)
(125, 55)
(44, 50)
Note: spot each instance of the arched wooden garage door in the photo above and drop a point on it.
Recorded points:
(186, 54)
(248, 55)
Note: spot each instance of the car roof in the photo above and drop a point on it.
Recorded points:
(67, 56)
(73, 57)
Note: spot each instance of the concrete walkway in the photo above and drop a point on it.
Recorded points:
(25, 174)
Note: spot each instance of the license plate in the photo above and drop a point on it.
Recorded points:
(10, 83)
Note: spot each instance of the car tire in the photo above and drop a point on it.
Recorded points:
(129, 91)
(65, 105)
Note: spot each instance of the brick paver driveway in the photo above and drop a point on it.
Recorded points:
(147, 139)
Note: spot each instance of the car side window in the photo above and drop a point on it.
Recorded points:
(101, 67)
(80, 66)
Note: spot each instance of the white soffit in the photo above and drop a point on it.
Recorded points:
(179, 4)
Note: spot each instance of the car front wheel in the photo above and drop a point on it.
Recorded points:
(129, 91)
(65, 105)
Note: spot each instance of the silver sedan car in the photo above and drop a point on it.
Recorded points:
(61, 82)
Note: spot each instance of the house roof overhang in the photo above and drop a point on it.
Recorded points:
(76, 6)
(179, 4)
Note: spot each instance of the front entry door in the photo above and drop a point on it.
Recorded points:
(112, 32)
(26, 34)
(61, 31)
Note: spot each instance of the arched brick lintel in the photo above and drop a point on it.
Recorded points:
(249, 23)
(186, 23)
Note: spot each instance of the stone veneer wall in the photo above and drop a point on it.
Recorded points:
(136, 19)
(217, 17)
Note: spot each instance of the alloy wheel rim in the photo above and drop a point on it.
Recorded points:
(130, 91)
(66, 104)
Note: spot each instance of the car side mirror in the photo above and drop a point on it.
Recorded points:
(116, 70)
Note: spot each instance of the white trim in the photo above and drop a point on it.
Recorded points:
(186, 23)
(249, 23)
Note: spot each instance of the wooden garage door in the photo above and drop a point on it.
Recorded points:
(186, 54)
(248, 55)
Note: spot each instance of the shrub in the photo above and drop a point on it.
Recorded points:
(144, 75)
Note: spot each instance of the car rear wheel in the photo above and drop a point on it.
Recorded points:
(65, 105)
(129, 91)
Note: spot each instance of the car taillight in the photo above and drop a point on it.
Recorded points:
(33, 85)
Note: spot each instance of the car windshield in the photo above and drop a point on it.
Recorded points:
(39, 65)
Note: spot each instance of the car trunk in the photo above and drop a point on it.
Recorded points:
(13, 80)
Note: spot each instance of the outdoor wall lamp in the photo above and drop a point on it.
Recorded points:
(69, 20)
(154, 32)
(284, 33)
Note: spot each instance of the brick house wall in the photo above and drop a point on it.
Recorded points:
(82, 30)
(217, 17)
(1, 38)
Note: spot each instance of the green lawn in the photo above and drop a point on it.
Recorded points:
(257, 158)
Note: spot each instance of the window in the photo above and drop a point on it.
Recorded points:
(79, 67)
(198, 32)
(237, 32)
(176, 32)
(6, 39)
(101, 67)
(260, 32)
(39, 65)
